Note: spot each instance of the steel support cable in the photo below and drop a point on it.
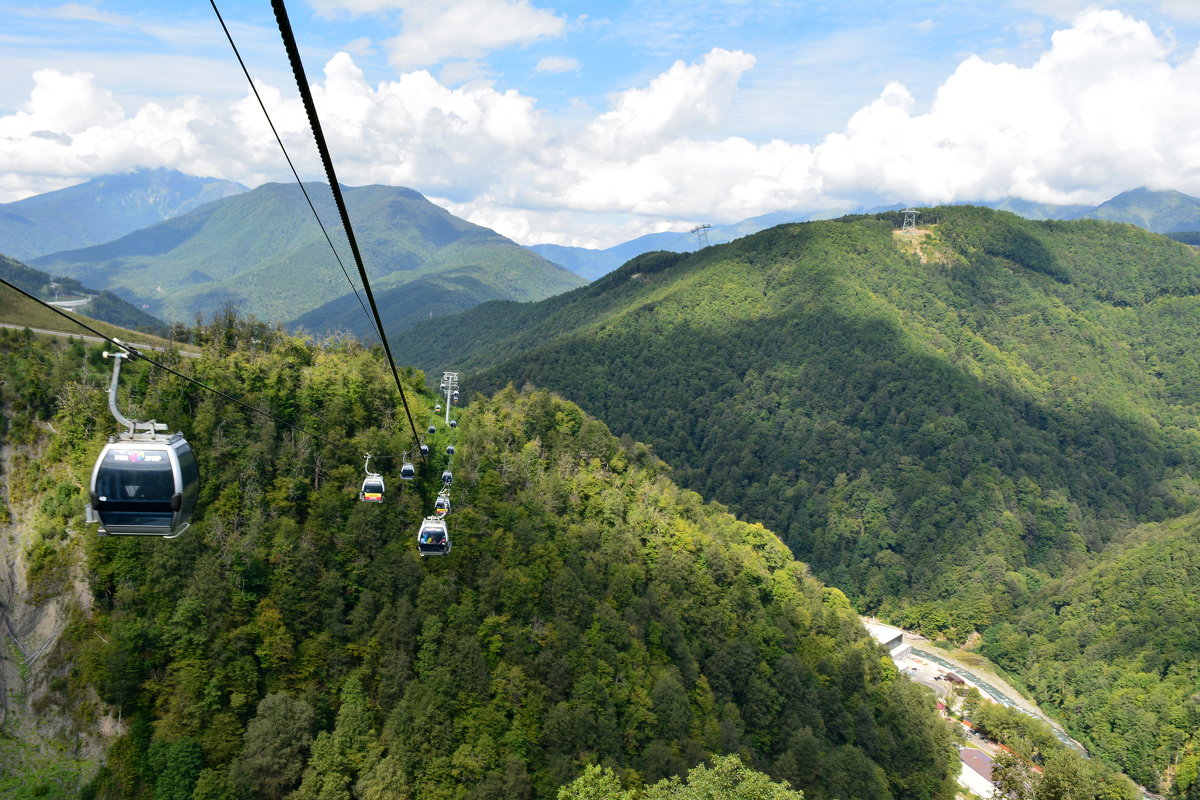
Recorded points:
(289, 42)
(288, 158)
(133, 351)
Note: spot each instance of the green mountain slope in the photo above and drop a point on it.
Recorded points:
(1159, 211)
(264, 252)
(103, 209)
(939, 425)
(104, 306)
(1120, 645)
(590, 611)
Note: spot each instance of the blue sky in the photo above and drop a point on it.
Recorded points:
(590, 123)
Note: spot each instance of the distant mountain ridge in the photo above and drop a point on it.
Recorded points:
(103, 209)
(1164, 211)
(263, 251)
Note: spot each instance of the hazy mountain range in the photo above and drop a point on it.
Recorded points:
(175, 246)
(103, 209)
(1165, 211)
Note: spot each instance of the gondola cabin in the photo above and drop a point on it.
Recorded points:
(144, 485)
(433, 539)
(372, 489)
(424, 449)
(408, 471)
(433, 429)
(450, 449)
(447, 477)
(441, 506)
(453, 423)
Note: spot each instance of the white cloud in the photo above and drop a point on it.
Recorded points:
(433, 31)
(1100, 112)
(685, 99)
(1106, 107)
(558, 64)
(466, 29)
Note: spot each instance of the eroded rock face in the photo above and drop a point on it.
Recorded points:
(43, 721)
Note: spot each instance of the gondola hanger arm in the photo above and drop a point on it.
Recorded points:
(148, 427)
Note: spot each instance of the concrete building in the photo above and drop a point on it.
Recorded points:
(891, 638)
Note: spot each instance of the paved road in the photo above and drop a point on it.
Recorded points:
(87, 338)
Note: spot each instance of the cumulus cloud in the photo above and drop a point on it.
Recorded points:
(1100, 112)
(1106, 107)
(685, 99)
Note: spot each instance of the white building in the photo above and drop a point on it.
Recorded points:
(891, 638)
(976, 772)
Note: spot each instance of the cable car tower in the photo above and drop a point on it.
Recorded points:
(449, 388)
(701, 233)
(910, 220)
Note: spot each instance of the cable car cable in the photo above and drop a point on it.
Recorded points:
(289, 42)
(288, 158)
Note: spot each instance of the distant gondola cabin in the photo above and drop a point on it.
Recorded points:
(372, 489)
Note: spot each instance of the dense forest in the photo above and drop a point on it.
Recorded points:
(293, 643)
(952, 426)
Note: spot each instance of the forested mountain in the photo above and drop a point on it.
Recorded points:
(104, 306)
(103, 209)
(1119, 644)
(590, 611)
(943, 425)
(1165, 211)
(264, 252)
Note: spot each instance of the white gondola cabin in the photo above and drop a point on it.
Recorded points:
(144, 485)
(434, 538)
(372, 488)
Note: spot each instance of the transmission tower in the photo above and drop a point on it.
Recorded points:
(910, 220)
(701, 233)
